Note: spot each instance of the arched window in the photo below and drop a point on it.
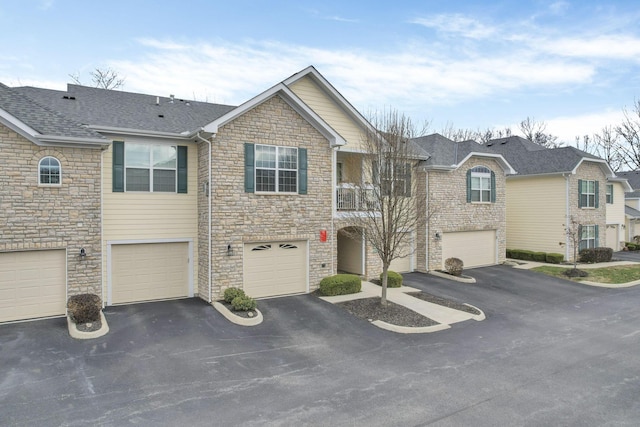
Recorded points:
(481, 185)
(49, 171)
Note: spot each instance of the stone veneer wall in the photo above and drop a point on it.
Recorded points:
(36, 217)
(450, 212)
(240, 217)
(588, 216)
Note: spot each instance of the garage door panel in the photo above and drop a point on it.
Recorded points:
(474, 248)
(32, 284)
(149, 271)
(275, 268)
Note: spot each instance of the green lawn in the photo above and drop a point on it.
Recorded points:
(614, 275)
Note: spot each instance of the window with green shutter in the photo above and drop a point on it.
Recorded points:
(275, 169)
(587, 193)
(154, 168)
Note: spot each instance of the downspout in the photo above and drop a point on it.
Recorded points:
(567, 220)
(209, 219)
(334, 156)
(427, 220)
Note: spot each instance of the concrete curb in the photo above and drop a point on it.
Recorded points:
(409, 329)
(238, 320)
(478, 317)
(80, 335)
(461, 279)
(611, 285)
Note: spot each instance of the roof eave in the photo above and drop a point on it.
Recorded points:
(603, 165)
(65, 141)
(623, 181)
(141, 132)
(506, 166)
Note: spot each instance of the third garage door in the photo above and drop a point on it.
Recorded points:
(275, 268)
(149, 271)
(474, 248)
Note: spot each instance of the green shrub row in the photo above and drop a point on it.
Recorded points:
(595, 255)
(239, 300)
(340, 284)
(632, 246)
(394, 280)
(525, 255)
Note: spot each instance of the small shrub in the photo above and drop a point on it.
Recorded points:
(84, 308)
(509, 253)
(243, 303)
(453, 266)
(553, 258)
(631, 246)
(539, 256)
(592, 255)
(340, 284)
(394, 280)
(231, 293)
(522, 254)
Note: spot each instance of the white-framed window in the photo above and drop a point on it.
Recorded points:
(481, 184)
(150, 168)
(609, 193)
(276, 169)
(588, 236)
(588, 193)
(49, 171)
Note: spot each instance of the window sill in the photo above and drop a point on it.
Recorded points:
(274, 193)
(50, 185)
(588, 208)
(481, 203)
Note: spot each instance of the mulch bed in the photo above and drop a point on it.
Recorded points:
(371, 309)
(444, 302)
(249, 314)
(89, 327)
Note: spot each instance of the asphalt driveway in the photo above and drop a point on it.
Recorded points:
(550, 352)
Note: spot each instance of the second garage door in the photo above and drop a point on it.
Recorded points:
(32, 284)
(150, 271)
(404, 264)
(275, 268)
(474, 248)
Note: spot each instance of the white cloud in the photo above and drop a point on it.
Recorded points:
(604, 46)
(568, 127)
(456, 24)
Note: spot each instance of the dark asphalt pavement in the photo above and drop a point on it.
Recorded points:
(550, 352)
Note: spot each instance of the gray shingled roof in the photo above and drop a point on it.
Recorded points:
(632, 195)
(529, 158)
(633, 177)
(445, 152)
(118, 109)
(41, 119)
(633, 213)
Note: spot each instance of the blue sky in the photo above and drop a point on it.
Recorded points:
(470, 64)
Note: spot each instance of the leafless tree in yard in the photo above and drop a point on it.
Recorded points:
(104, 78)
(629, 131)
(607, 145)
(395, 204)
(535, 131)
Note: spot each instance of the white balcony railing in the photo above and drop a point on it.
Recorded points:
(350, 197)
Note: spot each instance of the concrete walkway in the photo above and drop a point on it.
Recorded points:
(445, 316)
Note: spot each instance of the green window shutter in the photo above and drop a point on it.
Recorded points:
(302, 171)
(579, 193)
(597, 235)
(469, 186)
(493, 187)
(182, 168)
(597, 194)
(611, 198)
(249, 168)
(118, 167)
(580, 245)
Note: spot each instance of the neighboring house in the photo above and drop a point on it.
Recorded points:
(616, 215)
(551, 187)
(632, 201)
(465, 187)
(632, 218)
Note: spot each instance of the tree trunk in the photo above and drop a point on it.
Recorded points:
(383, 300)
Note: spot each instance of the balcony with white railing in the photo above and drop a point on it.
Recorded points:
(353, 192)
(350, 197)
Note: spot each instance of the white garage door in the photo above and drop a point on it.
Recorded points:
(32, 284)
(403, 265)
(275, 268)
(612, 237)
(474, 248)
(149, 271)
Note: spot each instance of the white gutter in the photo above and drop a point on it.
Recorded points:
(142, 132)
(209, 222)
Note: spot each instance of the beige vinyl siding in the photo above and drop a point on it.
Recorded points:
(150, 216)
(615, 211)
(330, 112)
(536, 213)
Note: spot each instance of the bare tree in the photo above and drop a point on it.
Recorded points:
(535, 131)
(606, 144)
(104, 78)
(395, 204)
(478, 135)
(629, 131)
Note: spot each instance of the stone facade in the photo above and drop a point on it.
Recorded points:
(448, 211)
(34, 217)
(589, 216)
(239, 217)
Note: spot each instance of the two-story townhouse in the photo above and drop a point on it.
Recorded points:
(465, 216)
(50, 209)
(552, 187)
(632, 204)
